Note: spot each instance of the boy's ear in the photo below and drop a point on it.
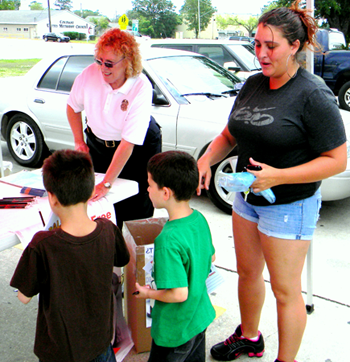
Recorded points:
(52, 199)
(167, 193)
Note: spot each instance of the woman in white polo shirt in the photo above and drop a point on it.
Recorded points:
(121, 135)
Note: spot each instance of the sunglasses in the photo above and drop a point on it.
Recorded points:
(108, 64)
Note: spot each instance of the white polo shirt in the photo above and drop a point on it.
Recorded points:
(113, 114)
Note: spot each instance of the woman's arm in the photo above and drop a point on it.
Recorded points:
(120, 158)
(174, 295)
(76, 125)
(218, 149)
(326, 165)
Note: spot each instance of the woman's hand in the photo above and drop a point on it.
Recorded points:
(204, 174)
(220, 147)
(82, 147)
(99, 192)
(265, 178)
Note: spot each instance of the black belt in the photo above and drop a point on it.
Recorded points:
(108, 144)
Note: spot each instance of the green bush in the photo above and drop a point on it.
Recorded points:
(74, 35)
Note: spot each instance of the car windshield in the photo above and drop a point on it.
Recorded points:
(336, 40)
(247, 54)
(184, 75)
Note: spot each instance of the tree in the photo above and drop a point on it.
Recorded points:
(36, 6)
(85, 13)
(64, 4)
(158, 17)
(335, 12)
(10, 4)
(250, 25)
(101, 24)
(145, 25)
(189, 11)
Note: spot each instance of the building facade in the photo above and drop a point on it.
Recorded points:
(33, 24)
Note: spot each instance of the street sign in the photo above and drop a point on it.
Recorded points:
(123, 22)
(135, 25)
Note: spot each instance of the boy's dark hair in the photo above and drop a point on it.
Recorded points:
(69, 175)
(176, 170)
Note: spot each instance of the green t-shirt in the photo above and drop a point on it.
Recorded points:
(182, 258)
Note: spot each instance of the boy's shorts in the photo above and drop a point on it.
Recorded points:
(193, 350)
(294, 221)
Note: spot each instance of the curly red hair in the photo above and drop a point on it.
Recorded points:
(123, 43)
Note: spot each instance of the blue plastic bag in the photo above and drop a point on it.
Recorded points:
(241, 182)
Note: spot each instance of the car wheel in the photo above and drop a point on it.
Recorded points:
(218, 195)
(25, 141)
(59, 40)
(344, 96)
(45, 39)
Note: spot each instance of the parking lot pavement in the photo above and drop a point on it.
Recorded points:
(325, 339)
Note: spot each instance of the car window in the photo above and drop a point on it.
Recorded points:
(191, 74)
(216, 53)
(175, 46)
(246, 55)
(50, 79)
(61, 75)
(336, 40)
(72, 68)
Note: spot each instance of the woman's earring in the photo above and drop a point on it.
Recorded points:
(295, 74)
(257, 67)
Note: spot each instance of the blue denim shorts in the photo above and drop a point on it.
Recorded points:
(294, 221)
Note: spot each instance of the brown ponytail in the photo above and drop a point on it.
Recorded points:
(294, 23)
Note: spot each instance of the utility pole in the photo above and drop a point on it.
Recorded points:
(199, 19)
(48, 9)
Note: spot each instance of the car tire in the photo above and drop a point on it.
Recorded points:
(25, 141)
(46, 39)
(59, 40)
(218, 195)
(344, 96)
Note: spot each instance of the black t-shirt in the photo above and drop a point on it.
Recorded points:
(74, 278)
(285, 127)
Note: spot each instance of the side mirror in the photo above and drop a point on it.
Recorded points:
(158, 99)
(232, 66)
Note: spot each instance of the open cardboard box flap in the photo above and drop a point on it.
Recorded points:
(139, 234)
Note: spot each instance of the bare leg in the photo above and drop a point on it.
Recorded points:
(285, 260)
(250, 265)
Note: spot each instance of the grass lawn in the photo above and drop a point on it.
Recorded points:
(15, 67)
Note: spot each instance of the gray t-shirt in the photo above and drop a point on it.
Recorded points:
(285, 127)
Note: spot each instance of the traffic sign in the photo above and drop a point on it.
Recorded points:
(123, 22)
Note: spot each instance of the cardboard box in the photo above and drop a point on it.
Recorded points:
(139, 235)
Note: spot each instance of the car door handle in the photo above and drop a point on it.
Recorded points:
(37, 100)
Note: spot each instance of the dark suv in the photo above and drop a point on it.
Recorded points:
(56, 37)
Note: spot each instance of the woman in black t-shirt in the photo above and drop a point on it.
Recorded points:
(288, 123)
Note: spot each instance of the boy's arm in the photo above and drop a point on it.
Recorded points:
(23, 298)
(174, 295)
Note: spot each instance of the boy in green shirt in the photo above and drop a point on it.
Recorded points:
(182, 259)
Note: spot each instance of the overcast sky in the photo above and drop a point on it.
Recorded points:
(111, 8)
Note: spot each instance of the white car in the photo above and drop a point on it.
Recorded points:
(192, 99)
(235, 56)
